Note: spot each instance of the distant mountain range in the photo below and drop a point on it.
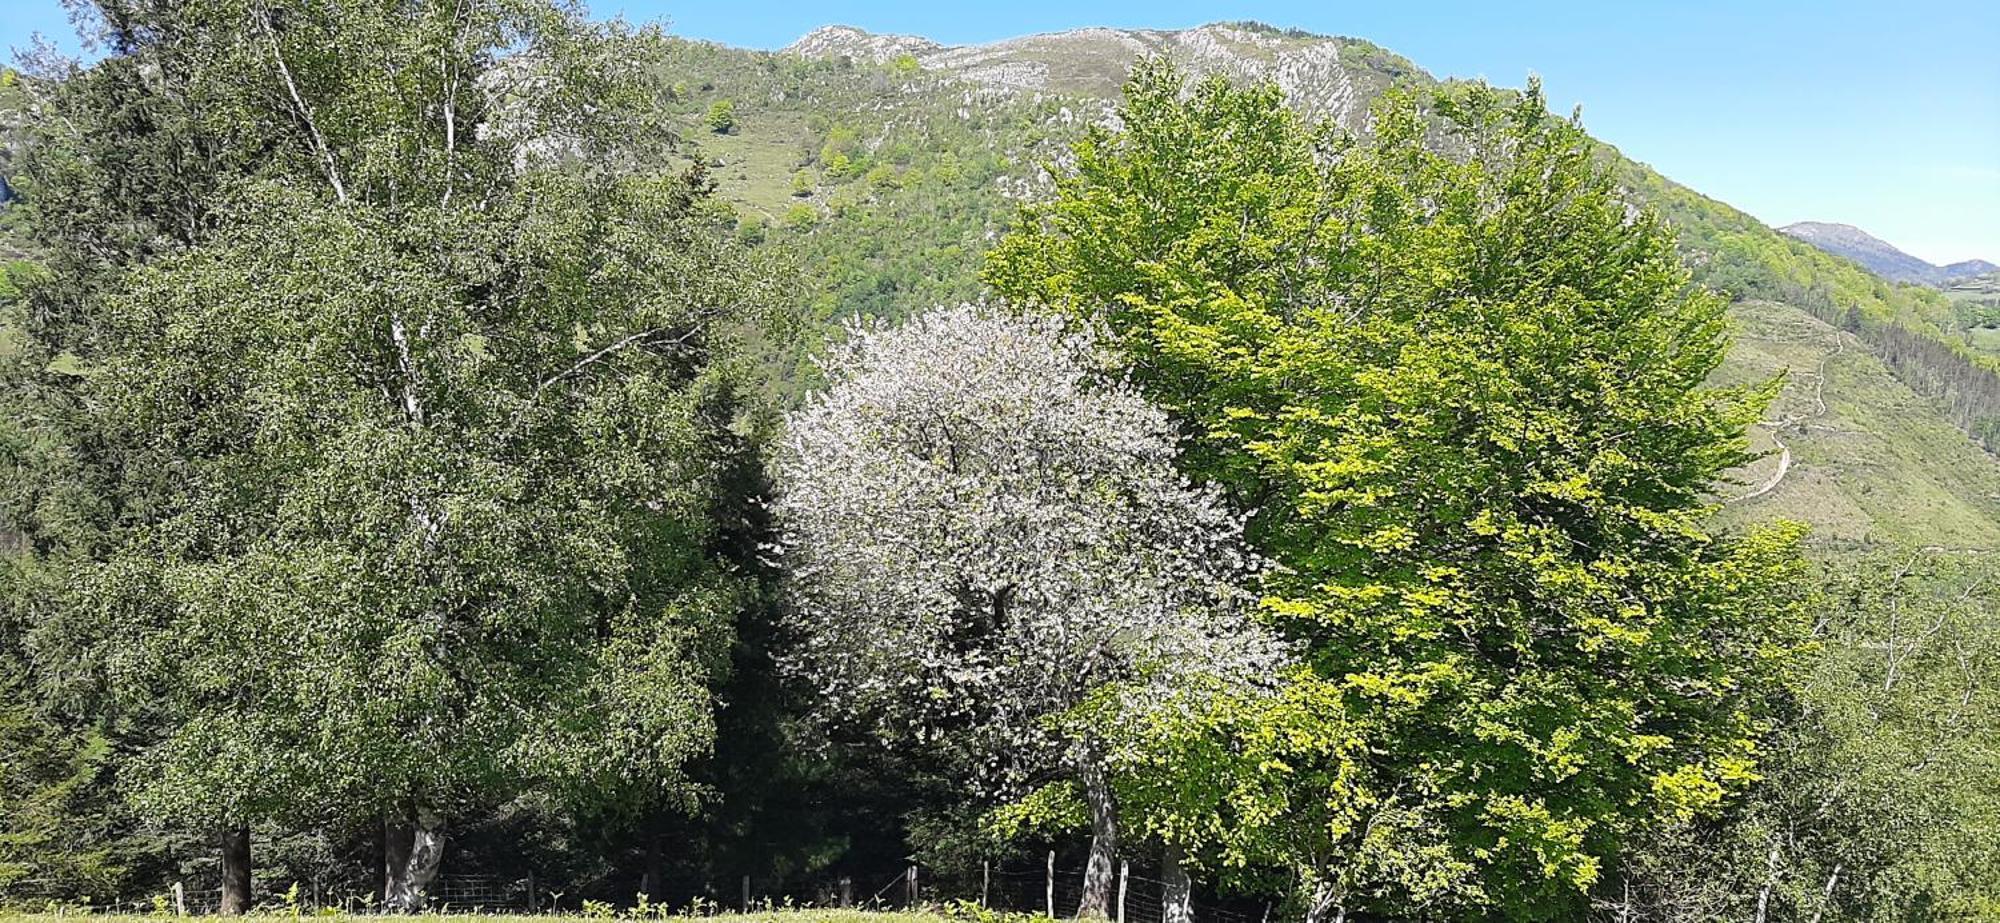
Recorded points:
(1879, 256)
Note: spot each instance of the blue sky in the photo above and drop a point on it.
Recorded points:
(1884, 115)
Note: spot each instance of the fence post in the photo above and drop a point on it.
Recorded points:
(913, 888)
(846, 892)
(746, 894)
(180, 900)
(1124, 874)
(985, 880)
(1052, 884)
(533, 896)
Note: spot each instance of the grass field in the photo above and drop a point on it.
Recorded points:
(776, 916)
(1871, 460)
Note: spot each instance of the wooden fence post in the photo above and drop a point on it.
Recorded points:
(912, 886)
(180, 900)
(746, 894)
(985, 880)
(1052, 884)
(1124, 874)
(534, 898)
(846, 892)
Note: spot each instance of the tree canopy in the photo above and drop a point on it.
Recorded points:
(983, 533)
(1458, 382)
(378, 406)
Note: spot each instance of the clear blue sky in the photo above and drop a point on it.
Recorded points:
(1884, 115)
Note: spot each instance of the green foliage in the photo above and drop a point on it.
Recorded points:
(55, 814)
(1463, 397)
(721, 118)
(1880, 800)
(379, 460)
(800, 217)
(1055, 808)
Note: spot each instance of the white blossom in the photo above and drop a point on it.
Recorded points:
(984, 526)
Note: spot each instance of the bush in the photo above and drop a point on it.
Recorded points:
(721, 117)
(800, 217)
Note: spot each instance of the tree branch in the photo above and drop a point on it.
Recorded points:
(304, 112)
(602, 354)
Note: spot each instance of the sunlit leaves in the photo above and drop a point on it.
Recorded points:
(1458, 384)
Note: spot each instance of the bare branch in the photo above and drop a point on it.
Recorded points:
(642, 337)
(304, 112)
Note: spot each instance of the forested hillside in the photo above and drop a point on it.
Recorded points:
(473, 455)
(891, 163)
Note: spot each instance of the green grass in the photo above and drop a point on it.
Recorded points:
(1878, 464)
(775, 916)
(758, 161)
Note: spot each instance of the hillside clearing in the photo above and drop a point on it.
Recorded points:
(1866, 459)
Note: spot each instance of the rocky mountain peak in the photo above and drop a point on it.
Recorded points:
(859, 44)
(1324, 76)
(1879, 256)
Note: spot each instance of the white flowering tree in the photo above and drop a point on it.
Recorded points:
(984, 530)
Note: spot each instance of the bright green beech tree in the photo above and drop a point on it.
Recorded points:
(1458, 383)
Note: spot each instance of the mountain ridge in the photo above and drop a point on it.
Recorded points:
(888, 164)
(1881, 257)
(1324, 76)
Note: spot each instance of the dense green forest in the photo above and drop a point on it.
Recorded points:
(469, 454)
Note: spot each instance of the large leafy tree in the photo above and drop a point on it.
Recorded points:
(1459, 381)
(985, 534)
(376, 403)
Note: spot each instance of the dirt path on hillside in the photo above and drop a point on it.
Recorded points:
(1785, 451)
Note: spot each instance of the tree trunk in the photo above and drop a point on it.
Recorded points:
(395, 860)
(1176, 891)
(413, 846)
(383, 857)
(1770, 881)
(1324, 901)
(652, 883)
(235, 871)
(1100, 874)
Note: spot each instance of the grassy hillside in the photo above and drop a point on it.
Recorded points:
(1866, 459)
(1975, 303)
(888, 164)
